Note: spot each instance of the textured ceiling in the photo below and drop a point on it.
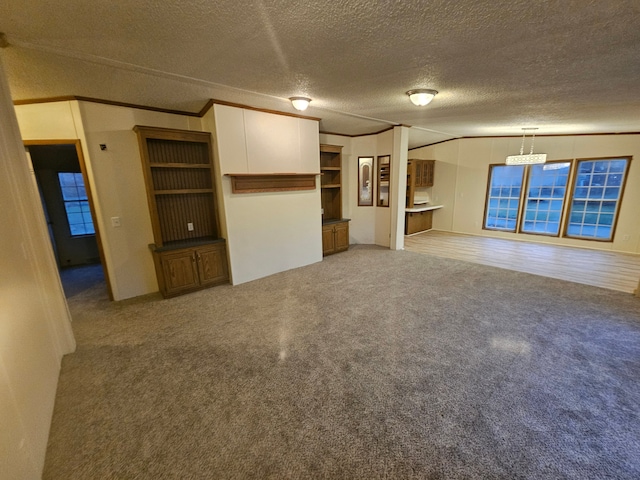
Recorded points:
(569, 66)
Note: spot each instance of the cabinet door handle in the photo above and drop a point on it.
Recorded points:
(198, 256)
(193, 258)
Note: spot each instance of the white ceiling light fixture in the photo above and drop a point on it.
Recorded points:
(530, 158)
(300, 103)
(421, 96)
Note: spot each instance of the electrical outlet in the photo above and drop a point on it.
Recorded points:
(115, 221)
(626, 238)
(190, 226)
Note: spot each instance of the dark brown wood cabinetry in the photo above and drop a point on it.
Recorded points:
(418, 221)
(178, 168)
(420, 174)
(184, 270)
(335, 237)
(335, 229)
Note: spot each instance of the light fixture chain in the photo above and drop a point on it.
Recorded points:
(533, 138)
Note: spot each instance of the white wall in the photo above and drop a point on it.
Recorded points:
(461, 175)
(115, 176)
(384, 146)
(362, 228)
(267, 232)
(120, 190)
(35, 328)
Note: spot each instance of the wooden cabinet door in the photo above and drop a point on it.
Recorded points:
(212, 264)
(328, 243)
(418, 173)
(179, 271)
(341, 236)
(418, 222)
(427, 174)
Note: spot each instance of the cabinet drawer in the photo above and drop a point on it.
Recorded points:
(418, 221)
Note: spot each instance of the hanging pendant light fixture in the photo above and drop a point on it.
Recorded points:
(530, 158)
(300, 103)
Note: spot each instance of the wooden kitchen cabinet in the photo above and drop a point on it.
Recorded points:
(420, 174)
(418, 221)
(424, 175)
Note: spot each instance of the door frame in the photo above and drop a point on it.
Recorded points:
(87, 185)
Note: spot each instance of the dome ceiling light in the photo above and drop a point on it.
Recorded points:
(300, 103)
(421, 96)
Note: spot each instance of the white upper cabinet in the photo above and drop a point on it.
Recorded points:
(251, 141)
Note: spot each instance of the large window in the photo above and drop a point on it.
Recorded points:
(76, 203)
(596, 195)
(546, 190)
(505, 186)
(532, 199)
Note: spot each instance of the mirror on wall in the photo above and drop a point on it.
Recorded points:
(365, 181)
(384, 175)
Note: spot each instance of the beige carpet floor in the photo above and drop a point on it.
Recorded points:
(371, 364)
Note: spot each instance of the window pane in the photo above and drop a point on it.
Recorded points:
(76, 203)
(595, 217)
(551, 182)
(611, 192)
(617, 166)
(581, 192)
(585, 167)
(505, 184)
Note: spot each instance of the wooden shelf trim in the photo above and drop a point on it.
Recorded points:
(180, 165)
(271, 182)
(183, 191)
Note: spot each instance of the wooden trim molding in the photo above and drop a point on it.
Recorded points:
(265, 110)
(90, 198)
(271, 182)
(203, 111)
(363, 134)
(70, 98)
(515, 136)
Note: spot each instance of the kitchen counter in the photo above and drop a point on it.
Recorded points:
(422, 208)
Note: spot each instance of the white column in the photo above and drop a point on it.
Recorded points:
(398, 188)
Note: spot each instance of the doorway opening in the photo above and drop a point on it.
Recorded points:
(61, 178)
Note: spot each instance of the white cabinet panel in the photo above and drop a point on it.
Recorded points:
(273, 142)
(231, 139)
(309, 157)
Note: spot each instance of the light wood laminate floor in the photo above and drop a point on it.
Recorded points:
(616, 271)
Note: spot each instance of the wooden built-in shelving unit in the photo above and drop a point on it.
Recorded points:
(335, 229)
(178, 169)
